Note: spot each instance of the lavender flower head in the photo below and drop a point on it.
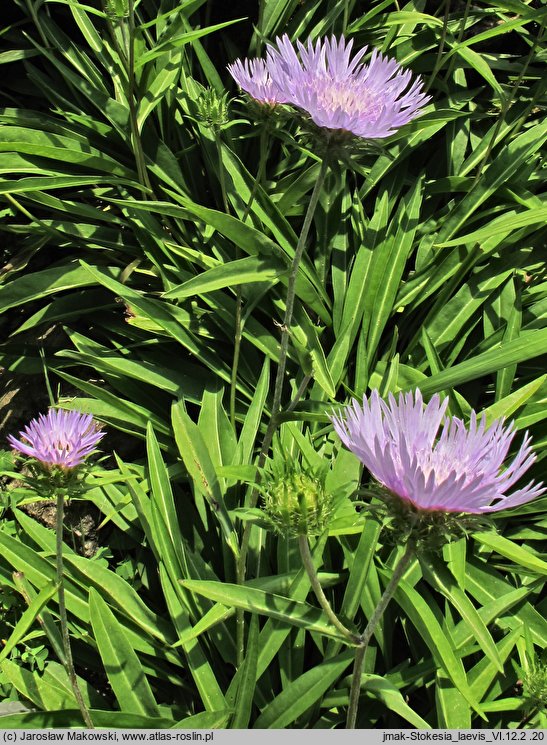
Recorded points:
(253, 77)
(59, 438)
(457, 470)
(340, 93)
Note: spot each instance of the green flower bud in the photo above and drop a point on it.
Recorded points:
(116, 9)
(297, 503)
(213, 108)
(535, 684)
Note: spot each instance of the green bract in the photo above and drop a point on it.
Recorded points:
(297, 503)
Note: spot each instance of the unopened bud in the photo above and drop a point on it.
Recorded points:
(213, 108)
(297, 503)
(535, 684)
(116, 9)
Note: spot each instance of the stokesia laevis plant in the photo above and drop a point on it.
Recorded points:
(59, 443)
(434, 474)
(346, 100)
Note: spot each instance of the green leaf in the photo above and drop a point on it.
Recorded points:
(45, 618)
(362, 558)
(452, 709)
(399, 18)
(217, 432)
(37, 184)
(482, 676)
(167, 316)
(392, 698)
(196, 458)
(253, 417)
(504, 224)
(356, 296)
(500, 170)
(197, 663)
(485, 584)
(443, 581)
(303, 693)
(41, 572)
(387, 267)
(292, 612)
(178, 41)
(246, 679)
(507, 406)
(73, 718)
(239, 272)
(164, 82)
(28, 618)
(518, 554)
(527, 346)
(60, 148)
(205, 720)
(255, 243)
(112, 587)
(313, 348)
(166, 529)
(425, 622)
(478, 63)
(35, 286)
(217, 614)
(122, 666)
(44, 695)
(275, 633)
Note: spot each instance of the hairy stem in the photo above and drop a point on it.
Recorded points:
(366, 636)
(307, 560)
(221, 175)
(528, 718)
(289, 307)
(68, 661)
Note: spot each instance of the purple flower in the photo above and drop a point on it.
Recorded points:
(253, 77)
(340, 93)
(59, 438)
(456, 470)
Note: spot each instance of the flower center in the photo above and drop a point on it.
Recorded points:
(441, 463)
(345, 95)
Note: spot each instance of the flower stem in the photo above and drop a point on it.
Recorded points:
(221, 174)
(309, 566)
(528, 718)
(278, 389)
(69, 662)
(366, 636)
(239, 297)
(289, 307)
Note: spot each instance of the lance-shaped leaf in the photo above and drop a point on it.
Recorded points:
(194, 453)
(293, 612)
